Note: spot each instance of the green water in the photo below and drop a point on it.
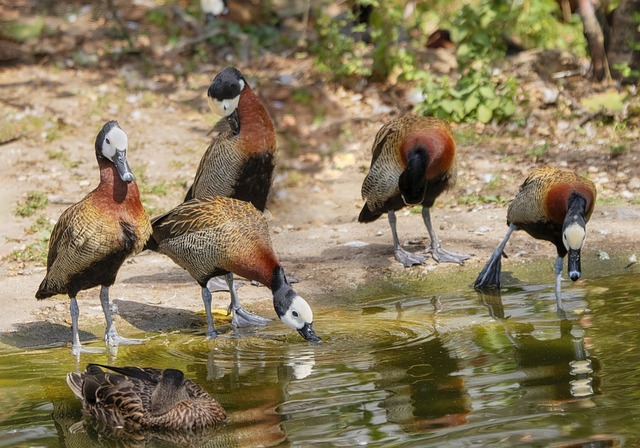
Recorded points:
(396, 368)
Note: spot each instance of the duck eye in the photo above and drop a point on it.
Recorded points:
(294, 314)
(108, 141)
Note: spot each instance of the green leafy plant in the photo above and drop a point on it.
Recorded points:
(35, 201)
(478, 94)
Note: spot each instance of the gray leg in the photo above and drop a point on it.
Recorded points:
(489, 277)
(439, 254)
(558, 272)
(111, 336)
(206, 298)
(406, 258)
(77, 347)
(241, 317)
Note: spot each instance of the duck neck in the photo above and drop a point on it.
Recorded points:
(413, 181)
(112, 184)
(255, 126)
(280, 289)
(576, 210)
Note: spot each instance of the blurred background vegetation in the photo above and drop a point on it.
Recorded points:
(352, 43)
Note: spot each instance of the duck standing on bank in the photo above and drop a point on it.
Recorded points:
(134, 399)
(551, 205)
(240, 160)
(217, 235)
(92, 238)
(413, 162)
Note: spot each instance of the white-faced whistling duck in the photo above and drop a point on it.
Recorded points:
(136, 398)
(213, 9)
(413, 162)
(92, 238)
(219, 236)
(551, 205)
(239, 162)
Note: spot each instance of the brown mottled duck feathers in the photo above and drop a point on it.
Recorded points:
(413, 161)
(240, 161)
(145, 398)
(93, 237)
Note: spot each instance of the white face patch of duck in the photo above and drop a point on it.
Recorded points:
(573, 237)
(225, 107)
(213, 7)
(298, 314)
(115, 140)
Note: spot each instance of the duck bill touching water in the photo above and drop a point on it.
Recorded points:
(92, 238)
(551, 205)
(413, 162)
(216, 236)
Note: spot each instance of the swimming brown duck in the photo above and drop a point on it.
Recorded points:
(552, 205)
(219, 236)
(240, 160)
(92, 238)
(413, 162)
(136, 398)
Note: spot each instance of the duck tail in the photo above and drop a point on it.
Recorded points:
(366, 215)
(151, 244)
(74, 380)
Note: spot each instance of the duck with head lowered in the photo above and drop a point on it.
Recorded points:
(92, 238)
(552, 205)
(217, 235)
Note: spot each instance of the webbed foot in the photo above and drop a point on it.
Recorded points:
(407, 258)
(243, 318)
(444, 256)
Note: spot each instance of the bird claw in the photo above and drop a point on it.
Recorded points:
(407, 258)
(76, 350)
(444, 256)
(243, 318)
(114, 339)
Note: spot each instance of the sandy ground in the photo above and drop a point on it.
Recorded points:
(313, 210)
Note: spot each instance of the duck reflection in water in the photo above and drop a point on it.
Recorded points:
(556, 369)
(425, 391)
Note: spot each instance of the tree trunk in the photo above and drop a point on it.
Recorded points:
(595, 39)
(624, 37)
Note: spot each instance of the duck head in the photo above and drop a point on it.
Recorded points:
(292, 309)
(574, 233)
(223, 95)
(169, 391)
(111, 144)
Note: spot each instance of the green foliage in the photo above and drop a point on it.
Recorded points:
(43, 225)
(22, 31)
(477, 199)
(477, 95)
(34, 252)
(35, 201)
(338, 53)
(537, 24)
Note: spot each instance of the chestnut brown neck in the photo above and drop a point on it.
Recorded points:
(256, 128)
(111, 183)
